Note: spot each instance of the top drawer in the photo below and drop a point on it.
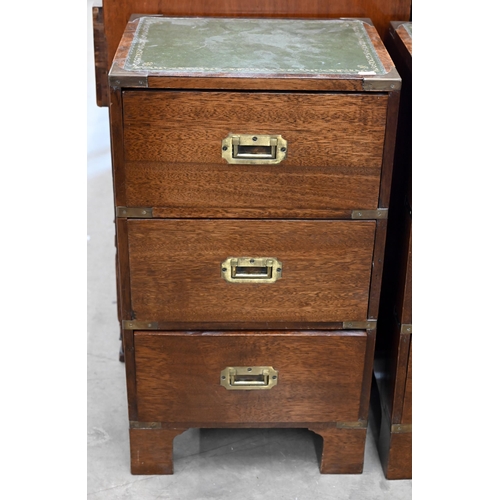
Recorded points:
(173, 152)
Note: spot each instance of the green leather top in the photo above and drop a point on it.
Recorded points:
(252, 46)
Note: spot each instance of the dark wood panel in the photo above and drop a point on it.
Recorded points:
(391, 372)
(100, 57)
(399, 368)
(116, 126)
(125, 312)
(319, 376)
(364, 407)
(399, 457)
(404, 306)
(396, 285)
(394, 448)
(407, 402)
(175, 269)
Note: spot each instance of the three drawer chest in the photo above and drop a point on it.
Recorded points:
(392, 387)
(252, 164)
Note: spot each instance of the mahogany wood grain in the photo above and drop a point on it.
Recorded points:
(250, 213)
(123, 270)
(330, 83)
(389, 146)
(117, 161)
(395, 451)
(175, 270)
(381, 12)
(399, 465)
(129, 359)
(319, 376)
(378, 267)
(125, 312)
(399, 360)
(364, 406)
(321, 129)
(173, 154)
(151, 450)
(405, 39)
(100, 57)
(343, 450)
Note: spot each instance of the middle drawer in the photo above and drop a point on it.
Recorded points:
(200, 272)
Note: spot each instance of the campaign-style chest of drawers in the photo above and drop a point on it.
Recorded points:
(252, 162)
(393, 359)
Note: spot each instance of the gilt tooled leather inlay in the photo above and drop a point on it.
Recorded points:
(252, 46)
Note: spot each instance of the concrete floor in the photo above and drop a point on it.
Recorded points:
(208, 464)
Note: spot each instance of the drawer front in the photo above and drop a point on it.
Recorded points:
(318, 376)
(176, 271)
(173, 151)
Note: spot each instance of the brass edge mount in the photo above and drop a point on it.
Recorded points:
(388, 82)
(132, 324)
(134, 212)
(360, 424)
(405, 328)
(370, 324)
(144, 425)
(379, 213)
(400, 428)
(120, 78)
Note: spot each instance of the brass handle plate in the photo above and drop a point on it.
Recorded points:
(254, 149)
(248, 378)
(251, 269)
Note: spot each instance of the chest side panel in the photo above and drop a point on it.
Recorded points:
(407, 402)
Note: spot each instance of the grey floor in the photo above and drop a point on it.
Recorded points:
(209, 464)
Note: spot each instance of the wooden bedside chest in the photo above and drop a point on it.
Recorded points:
(252, 162)
(393, 360)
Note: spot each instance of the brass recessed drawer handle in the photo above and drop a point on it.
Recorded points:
(248, 378)
(254, 149)
(251, 269)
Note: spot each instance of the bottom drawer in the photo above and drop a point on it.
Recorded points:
(249, 377)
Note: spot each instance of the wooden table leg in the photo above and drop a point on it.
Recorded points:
(151, 450)
(343, 450)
